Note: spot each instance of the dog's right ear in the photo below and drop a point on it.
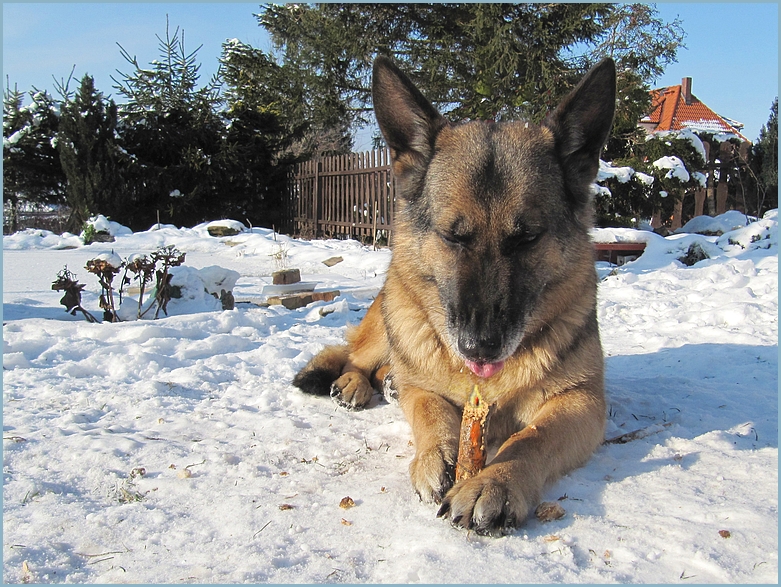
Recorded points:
(408, 121)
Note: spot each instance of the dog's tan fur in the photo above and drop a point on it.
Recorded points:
(491, 259)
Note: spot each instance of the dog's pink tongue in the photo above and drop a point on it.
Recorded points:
(484, 370)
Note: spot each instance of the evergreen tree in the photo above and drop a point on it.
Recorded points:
(626, 199)
(263, 122)
(90, 157)
(668, 187)
(653, 188)
(171, 130)
(495, 61)
(768, 144)
(471, 60)
(32, 176)
(766, 157)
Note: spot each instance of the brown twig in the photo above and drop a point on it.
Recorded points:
(471, 442)
(637, 434)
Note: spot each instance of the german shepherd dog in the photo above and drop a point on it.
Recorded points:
(492, 282)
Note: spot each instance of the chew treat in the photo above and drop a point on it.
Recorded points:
(471, 442)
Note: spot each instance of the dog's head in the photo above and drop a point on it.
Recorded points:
(496, 215)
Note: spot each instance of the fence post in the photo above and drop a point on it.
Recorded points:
(316, 204)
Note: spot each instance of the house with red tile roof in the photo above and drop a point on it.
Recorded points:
(676, 108)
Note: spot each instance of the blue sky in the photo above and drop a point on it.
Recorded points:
(732, 48)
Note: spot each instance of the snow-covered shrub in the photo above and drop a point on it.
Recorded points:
(622, 195)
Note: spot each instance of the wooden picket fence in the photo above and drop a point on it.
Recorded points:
(343, 196)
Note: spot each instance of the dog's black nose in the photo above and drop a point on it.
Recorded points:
(483, 347)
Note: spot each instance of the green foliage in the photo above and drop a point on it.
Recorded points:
(642, 45)
(766, 151)
(754, 178)
(295, 119)
(89, 154)
(171, 131)
(490, 61)
(471, 60)
(627, 203)
(32, 175)
(88, 233)
(262, 125)
(668, 188)
(185, 153)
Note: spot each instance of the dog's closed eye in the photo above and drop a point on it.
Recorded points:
(456, 240)
(521, 239)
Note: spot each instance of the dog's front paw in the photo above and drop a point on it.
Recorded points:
(432, 474)
(352, 390)
(486, 505)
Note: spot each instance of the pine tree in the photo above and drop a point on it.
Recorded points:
(171, 130)
(90, 157)
(471, 60)
(761, 168)
(667, 187)
(768, 146)
(261, 127)
(474, 61)
(32, 176)
(653, 188)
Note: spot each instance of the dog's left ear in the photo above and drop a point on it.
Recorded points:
(581, 125)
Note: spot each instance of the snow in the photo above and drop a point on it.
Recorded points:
(700, 178)
(608, 170)
(676, 167)
(621, 174)
(111, 259)
(176, 449)
(644, 178)
(712, 127)
(103, 224)
(15, 137)
(686, 134)
(727, 222)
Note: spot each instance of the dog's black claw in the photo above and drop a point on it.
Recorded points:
(444, 509)
(336, 395)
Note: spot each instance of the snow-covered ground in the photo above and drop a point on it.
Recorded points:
(176, 450)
